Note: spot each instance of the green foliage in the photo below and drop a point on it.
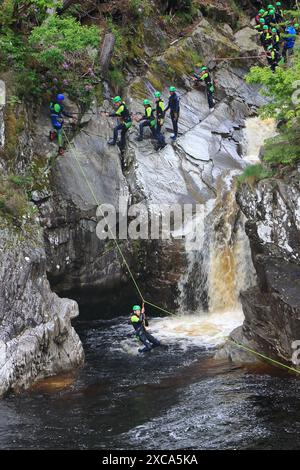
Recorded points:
(283, 149)
(57, 55)
(66, 52)
(283, 89)
(254, 173)
(14, 204)
(140, 7)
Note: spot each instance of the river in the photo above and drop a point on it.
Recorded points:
(173, 398)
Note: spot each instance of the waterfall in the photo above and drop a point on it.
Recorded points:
(221, 265)
(230, 266)
(256, 132)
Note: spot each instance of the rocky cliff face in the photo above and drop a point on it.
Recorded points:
(36, 336)
(272, 308)
(190, 171)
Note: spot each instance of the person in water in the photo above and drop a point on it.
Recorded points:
(139, 322)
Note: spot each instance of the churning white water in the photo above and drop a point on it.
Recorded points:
(257, 131)
(206, 330)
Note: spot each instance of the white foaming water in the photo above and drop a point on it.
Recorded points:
(203, 330)
(256, 132)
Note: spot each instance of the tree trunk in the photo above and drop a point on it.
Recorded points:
(107, 52)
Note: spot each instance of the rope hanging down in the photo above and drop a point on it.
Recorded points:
(252, 351)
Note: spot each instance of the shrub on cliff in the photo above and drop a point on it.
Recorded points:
(65, 53)
(283, 89)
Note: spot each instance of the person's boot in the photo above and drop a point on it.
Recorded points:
(162, 145)
(61, 151)
(52, 136)
(111, 142)
(145, 349)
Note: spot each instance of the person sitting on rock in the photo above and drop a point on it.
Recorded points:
(147, 120)
(124, 123)
(139, 322)
(56, 115)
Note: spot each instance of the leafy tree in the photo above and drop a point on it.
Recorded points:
(283, 90)
(66, 53)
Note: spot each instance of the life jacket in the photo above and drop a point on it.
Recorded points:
(266, 38)
(149, 114)
(137, 323)
(160, 108)
(123, 114)
(273, 55)
(207, 79)
(275, 38)
(56, 109)
(56, 115)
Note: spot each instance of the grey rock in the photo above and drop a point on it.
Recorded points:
(36, 336)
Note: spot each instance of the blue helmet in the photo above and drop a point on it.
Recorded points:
(60, 97)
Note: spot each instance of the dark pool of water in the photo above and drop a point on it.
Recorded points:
(169, 399)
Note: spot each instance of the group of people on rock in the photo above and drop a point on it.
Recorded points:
(155, 113)
(153, 117)
(277, 34)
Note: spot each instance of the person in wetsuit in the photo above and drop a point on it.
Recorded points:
(139, 322)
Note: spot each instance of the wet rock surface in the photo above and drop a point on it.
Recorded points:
(36, 336)
(272, 308)
(187, 171)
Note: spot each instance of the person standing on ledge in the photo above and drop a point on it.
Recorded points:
(174, 107)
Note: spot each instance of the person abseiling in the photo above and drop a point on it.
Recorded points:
(174, 107)
(124, 123)
(56, 114)
(160, 112)
(139, 322)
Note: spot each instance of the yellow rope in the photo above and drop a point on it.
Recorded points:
(252, 351)
(102, 213)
